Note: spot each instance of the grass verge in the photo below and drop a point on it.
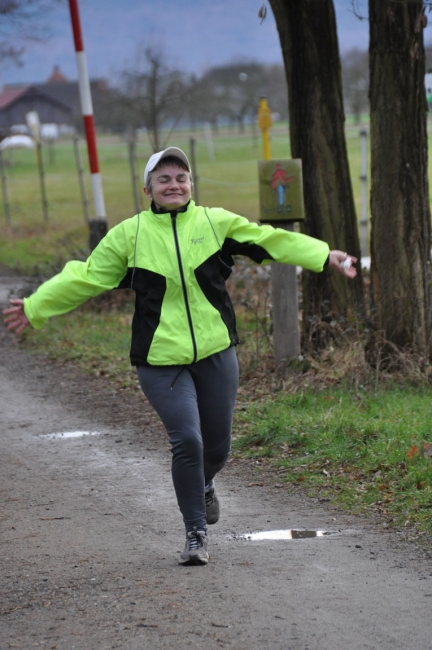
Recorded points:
(367, 450)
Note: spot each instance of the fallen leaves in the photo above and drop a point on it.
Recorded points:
(384, 487)
(425, 450)
(412, 452)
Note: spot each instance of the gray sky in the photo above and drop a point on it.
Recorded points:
(193, 34)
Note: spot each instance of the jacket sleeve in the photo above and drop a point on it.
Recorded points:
(264, 243)
(79, 281)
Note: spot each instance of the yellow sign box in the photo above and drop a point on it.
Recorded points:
(281, 190)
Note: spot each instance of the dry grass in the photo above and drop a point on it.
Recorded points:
(356, 356)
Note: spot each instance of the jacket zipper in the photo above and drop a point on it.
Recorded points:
(183, 281)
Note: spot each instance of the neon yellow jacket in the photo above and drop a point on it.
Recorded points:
(177, 264)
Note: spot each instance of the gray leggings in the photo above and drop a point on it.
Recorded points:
(196, 405)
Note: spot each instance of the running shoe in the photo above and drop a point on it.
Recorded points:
(195, 551)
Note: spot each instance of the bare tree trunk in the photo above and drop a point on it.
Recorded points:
(400, 241)
(308, 37)
(153, 112)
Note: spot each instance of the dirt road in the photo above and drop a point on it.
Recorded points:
(91, 535)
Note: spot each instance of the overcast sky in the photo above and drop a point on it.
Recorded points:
(193, 34)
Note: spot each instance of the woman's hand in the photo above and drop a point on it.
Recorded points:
(343, 263)
(15, 318)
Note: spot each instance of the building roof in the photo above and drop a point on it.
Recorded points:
(56, 76)
(58, 88)
(12, 96)
(8, 97)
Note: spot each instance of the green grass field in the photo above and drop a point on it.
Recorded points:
(227, 176)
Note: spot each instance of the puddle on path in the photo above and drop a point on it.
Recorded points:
(69, 434)
(284, 534)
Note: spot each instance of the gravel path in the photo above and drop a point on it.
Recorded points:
(91, 535)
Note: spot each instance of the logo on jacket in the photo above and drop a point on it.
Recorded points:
(197, 241)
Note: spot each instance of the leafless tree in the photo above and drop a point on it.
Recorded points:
(232, 92)
(22, 21)
(153, 95)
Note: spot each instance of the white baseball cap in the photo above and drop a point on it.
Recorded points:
(156, 157)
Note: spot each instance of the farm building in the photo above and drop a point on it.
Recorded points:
(16, 103)
(57, 101)
(60, 88)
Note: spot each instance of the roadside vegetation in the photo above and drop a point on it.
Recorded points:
(367, 449)
(333, 425)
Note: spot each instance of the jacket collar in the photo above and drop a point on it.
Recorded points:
(158, 210)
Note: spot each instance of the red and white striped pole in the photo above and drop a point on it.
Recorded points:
(98, 226)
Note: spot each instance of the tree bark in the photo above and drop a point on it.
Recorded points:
(308, 36)
(400, 234)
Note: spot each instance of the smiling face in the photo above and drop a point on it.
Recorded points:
(170, 187)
